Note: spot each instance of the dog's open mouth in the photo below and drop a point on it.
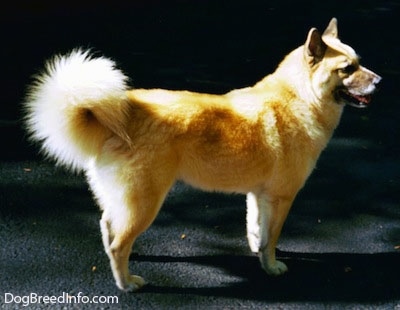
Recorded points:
(353, 100)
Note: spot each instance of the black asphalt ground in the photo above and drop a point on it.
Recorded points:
(341, 241)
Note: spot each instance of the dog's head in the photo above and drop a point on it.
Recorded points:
(335, 69)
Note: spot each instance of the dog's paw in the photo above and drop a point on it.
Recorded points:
(275, 269)
(134, 284)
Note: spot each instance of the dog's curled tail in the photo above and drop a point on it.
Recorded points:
(75, 105)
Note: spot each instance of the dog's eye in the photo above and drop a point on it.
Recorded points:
(349, 69)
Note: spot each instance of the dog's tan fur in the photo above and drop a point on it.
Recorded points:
(134, 144)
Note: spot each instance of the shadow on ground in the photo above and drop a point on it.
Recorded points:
(312, 277)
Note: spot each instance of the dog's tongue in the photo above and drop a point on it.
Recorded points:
(357, 101)
(362, 99)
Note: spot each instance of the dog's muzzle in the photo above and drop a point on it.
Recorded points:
(360, 98)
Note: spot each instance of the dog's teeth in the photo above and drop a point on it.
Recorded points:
(364, 99)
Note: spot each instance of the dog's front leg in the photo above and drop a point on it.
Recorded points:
(256, 219)
(265, 218)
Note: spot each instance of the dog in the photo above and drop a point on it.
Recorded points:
(133, 144)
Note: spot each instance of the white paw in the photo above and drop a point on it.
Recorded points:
(133, 284)
(275, 269)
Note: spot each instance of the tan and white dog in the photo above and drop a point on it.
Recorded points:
(133, 144)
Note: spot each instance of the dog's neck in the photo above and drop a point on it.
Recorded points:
(292, 74)
(291, 77)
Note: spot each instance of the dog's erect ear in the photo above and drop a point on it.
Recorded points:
(314, 49)
(331, 30)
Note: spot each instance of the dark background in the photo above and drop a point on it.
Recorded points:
(211, 46)
(342, 238)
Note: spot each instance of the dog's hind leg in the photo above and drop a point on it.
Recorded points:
(106, 233)
(265, 218)
(118, 250)
(130, 203)
(120, 228)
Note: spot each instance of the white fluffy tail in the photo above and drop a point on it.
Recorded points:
(75, 104)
